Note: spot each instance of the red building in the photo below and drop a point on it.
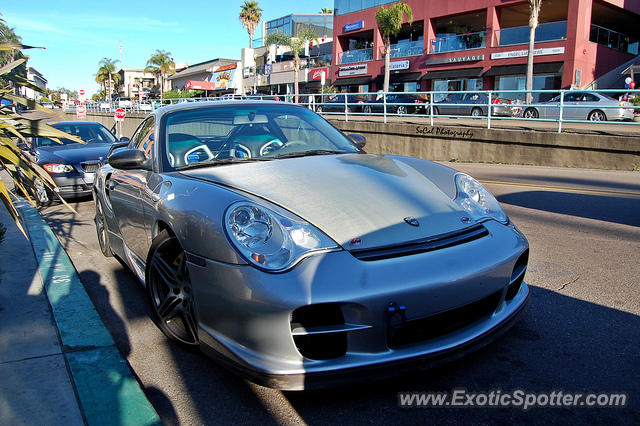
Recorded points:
(483, 44)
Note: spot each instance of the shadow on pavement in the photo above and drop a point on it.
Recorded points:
(625, 211)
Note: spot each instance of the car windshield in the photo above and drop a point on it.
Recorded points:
(217, 134)
(88, 133)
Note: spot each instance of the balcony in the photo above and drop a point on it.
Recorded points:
(549, 31)
(613, 39)
(453, 42)
(402, 49)
(358, 55)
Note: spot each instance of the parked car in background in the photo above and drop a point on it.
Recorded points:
(475, 105)
(275, 244)
(48, 105)
(582, 106)
(145, 106)
(72, 165)
(396, 104)
(336, 103)
(259, 97)
(123, 102)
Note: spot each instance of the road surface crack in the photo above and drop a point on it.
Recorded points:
(562, 287)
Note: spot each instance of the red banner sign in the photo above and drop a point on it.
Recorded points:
(316, 73)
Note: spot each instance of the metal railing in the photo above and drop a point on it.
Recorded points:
(548, 31)
(561, 106)
(488, 105)
(400, 50)
(454, 42)
(358, 55)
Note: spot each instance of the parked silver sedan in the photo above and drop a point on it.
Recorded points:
(273, 242)
(582, 106)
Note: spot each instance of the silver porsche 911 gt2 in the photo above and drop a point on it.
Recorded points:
(272, 241)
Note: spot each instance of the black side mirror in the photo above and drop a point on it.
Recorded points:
(117, 145)
(124, 139)
(360, 140)
(22, 146)
(129, 159)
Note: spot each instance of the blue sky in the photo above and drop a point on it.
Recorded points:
(78, 34)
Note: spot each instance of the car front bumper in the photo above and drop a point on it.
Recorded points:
(245, 315)
(74, 184)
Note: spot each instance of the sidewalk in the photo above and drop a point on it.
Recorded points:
(58, 363)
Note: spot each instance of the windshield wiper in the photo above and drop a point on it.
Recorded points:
(310, 153)
(221, 161)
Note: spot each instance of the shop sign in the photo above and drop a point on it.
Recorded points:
(456, 59)
(525, 52)
(399, 65)
(316, 73)
(354, 26)
(352, 70)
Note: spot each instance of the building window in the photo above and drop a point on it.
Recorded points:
(514, 23)
(460, 32)
(507, 85)
(454, 85)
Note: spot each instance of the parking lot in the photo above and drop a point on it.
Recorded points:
(580, 333)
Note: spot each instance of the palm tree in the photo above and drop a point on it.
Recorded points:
(107, 67)
(250, 16)
(161, 63)
(534, 13)
(295, 44)
(325, 10)
(389, 23)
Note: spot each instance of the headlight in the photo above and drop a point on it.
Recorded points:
(58, 168)
(477, 201)
(269, 240)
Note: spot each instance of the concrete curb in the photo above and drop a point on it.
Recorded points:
(107, 391)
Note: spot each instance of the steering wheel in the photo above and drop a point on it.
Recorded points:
(204, 148)
(271, 146)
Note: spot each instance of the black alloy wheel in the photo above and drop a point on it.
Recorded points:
(170, 291)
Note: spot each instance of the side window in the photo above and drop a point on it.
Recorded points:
(572, 97)
(588, 97)
(144, 139)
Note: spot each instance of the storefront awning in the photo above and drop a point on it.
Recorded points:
(542, 68)
(401, 77)
(354, 81)
(200, 85)
(457, 73)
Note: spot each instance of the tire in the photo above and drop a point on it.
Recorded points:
(319, 109)
(531, 113)
(597, 115)
(476, 112)
(169, 290)
(401, 110)
(435, 111)
(102, 229)
(40, 193)
(367, 109)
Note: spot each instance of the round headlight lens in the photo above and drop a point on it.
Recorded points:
(477, 200)
(58, 168)
(269, 240)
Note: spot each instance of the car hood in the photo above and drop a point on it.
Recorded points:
(73, 153)
(352, 196)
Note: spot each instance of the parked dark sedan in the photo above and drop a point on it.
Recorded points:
(397, 104)
(72, 165)
(474, 104)
(336, 103)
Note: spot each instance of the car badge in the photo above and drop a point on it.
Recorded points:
(465, 219)
(412, 221)
(356, 242)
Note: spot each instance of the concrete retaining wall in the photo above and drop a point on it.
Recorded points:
(467, 144)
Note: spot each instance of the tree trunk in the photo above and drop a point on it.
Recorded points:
(533, 24)
(110, 95)
(387, 64)
(296, 68)
(250, 40)
(161, 86)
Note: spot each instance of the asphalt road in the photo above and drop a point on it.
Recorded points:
(581, 332)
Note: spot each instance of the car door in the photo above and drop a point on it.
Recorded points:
(126, 189)
(571, 107)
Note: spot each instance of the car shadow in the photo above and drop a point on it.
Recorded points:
(625, 211)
